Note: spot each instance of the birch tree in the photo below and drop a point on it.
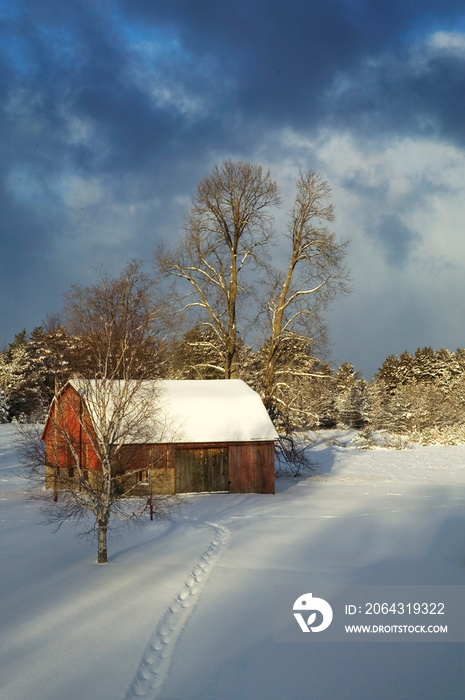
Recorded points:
(113, 406)
(227, 232)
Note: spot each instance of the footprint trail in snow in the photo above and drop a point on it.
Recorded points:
(154, 666)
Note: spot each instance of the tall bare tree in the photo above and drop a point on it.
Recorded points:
(227, 231)
(298, 291)
(111, 409)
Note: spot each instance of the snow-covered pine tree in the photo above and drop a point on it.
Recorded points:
(16, 381)
(389, 374)
(351, 400)
(318, 396)
(4, 408)
(420, 395)
(196, 355)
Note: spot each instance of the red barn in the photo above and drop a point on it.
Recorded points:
(219, 437)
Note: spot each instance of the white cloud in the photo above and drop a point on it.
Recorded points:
(421, 181)
(451, 42)
(171, 78)
(418, 184)
(80, 193)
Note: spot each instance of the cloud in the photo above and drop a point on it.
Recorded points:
(400, 202)
(419, 89)
(397, 238)
(113, 111)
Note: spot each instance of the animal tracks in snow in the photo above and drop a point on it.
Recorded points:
(154, 666)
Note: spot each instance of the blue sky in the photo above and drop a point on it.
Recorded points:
(111, 112)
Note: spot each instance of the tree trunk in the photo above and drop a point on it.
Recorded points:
(231, 368)
(231, 361)
(102, 543)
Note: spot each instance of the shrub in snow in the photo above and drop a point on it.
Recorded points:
(450, 435)
(291, 459)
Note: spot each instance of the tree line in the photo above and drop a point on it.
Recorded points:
(421, 395)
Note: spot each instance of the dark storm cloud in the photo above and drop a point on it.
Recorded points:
(112, 111)
(418, 91)
(73, 65)
(285, 55)
(272, 62)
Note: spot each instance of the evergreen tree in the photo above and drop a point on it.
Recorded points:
(16, 381)
(196, 355)
(389, 374)
(4, 407)
(424, 365)
(318, 397)
(351, 401)
(420, 394)
(295, 372)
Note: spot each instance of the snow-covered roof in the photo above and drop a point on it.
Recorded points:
(217, 410)
(213, 410)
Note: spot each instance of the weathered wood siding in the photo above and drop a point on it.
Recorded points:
(251, 467)
(201, 468)
(136, 457)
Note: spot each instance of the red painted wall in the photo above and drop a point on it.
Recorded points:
(69, 422)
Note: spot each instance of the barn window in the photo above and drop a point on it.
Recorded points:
(71, 472)
(144, 476)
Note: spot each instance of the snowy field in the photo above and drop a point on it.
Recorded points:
(184, 611)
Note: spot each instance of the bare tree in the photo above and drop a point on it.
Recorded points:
(96, 453)
(227, 231)
(115, 321)
(298, 293)
(229, 228)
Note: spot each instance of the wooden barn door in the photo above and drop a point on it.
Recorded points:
(201, 469)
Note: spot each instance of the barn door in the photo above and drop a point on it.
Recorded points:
(201, 469)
